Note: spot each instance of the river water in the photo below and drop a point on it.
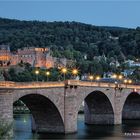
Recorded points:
(128, 130)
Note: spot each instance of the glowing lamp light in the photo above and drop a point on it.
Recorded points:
(37, 72)
(120, 77)
(130, 81)
(91, 77)
(125, 81)
(47, 73)
(64, 70)
(114, 76)
(74, 71)
(98, 78)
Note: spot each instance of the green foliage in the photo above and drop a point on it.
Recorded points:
(72, 40)
(3, 129)
(65, 37)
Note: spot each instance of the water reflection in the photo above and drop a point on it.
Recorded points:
(128, 130)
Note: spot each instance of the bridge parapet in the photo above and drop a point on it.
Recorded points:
(6, 84)
(100, 84)
(23, 85)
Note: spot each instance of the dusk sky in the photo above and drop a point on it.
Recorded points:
(124, 13)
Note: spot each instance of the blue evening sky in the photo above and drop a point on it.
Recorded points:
(124, 13)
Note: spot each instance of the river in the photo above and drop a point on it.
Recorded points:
(128, 130)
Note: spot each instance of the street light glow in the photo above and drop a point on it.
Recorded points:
(91, 77)
(114, 76)
(130, 81)
(74, 71)
(98, 78)
(120, 77)
(37, 72)
(47, 73)
(64, 70)
(125, 81)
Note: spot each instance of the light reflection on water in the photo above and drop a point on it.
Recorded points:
(128, 130)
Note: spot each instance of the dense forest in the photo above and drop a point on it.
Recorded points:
(74, 40)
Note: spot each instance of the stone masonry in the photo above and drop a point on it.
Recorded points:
(55, 108)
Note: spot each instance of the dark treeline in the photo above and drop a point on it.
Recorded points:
(74, 40)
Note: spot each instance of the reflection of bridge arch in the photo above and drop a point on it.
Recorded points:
(45, 109)
(131, 106)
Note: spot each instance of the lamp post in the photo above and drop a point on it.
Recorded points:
(75, 72)
(37, 73)
(129, 81)
(125, 82)
(47, 74)
(98, 78)
(118, 78)
(116, 85)
(64, 71)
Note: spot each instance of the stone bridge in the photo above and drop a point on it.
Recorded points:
(55, 105)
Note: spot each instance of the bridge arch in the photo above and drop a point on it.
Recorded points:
(98, 108)
(131, 106)
(46, 114)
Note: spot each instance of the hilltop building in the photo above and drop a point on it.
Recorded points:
(37, 57)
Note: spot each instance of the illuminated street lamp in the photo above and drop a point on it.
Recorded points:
(125, 82)
(37, 73)
(120, 77)
(47, 74)
(98, 78)
(75, 72)
(64, 71)
(130, 81)
(91, 78)
(114, 76)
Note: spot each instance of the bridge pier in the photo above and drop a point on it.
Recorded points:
(117, 107)
(6, 110)
(70, 110)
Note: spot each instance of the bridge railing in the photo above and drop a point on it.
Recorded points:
(101, 84)
(88, 83)
(9, 84)
(39, 84)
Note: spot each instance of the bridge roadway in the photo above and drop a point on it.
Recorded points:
(55, 105)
